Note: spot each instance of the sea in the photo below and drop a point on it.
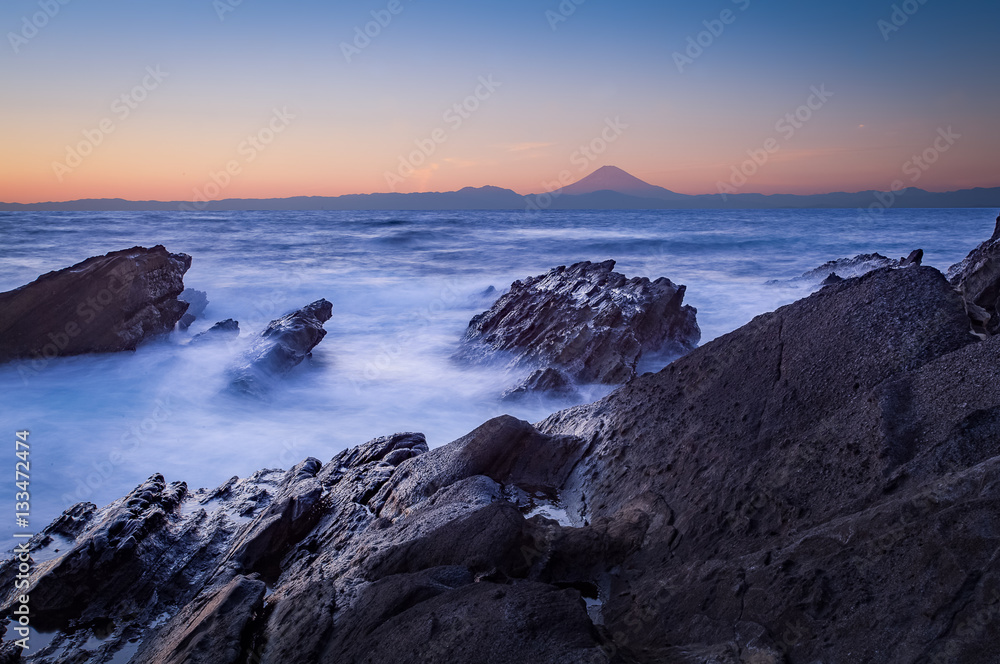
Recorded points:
(404, 286)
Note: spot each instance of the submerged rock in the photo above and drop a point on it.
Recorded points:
(587, 321)
(282, 345)
(104, 304)
(226, 329)
(820, 485)
(197, 303)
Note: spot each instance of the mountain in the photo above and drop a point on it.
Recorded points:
(607, 188)
(612, 178)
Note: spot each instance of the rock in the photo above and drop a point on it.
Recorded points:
(549, 381)
(10, 652)
(105, 304)
(978, 278)
(820, 485)
(282, 345)
(840, 268)
(834, 278)
(210, 631)
(223, 330)
(797, 456)
(915, 258)
(586, 320)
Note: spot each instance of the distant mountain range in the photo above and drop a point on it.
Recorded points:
(608, 188)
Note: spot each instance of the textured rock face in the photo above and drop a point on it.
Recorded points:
(282, 345)
(104, 304)
(821, 485)
(978, 278)
(586, 320)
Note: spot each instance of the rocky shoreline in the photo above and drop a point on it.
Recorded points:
(820, 485)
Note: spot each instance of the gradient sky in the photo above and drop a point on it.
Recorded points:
(354, 121)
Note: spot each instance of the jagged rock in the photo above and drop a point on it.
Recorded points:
(586, 320)
(282, 345)
(834, 278)
(851, 267)
(104, 304)
(223, 330)
(915, 258)
(978, 278)
(848, 268)
(821, 485)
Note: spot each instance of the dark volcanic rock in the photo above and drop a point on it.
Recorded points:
(282, 345)
(978, 278)
(586, 320)
(104, 304)
(821, 485)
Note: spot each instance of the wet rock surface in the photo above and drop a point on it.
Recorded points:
(586, 321)
(282, 345)
(104, 304)
(820, 485)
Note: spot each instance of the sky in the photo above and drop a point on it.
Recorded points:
(212, 99)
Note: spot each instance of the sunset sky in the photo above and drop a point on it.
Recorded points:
(145, 99)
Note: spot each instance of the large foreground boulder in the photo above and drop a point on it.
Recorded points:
(588, 321)
(104, 304)
(282, 345)
(821, 485)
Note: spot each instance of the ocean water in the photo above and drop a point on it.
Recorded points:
(404, 286)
